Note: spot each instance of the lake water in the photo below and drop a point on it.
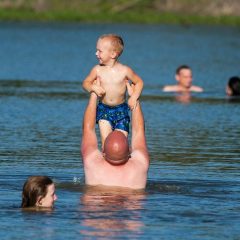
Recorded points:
(193, 183)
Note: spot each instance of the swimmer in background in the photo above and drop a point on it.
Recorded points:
(111, 77)
(233, 86)
(184, 78)
(38, 193)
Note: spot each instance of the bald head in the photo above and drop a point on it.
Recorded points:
(116, 149)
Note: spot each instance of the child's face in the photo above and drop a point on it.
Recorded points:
(105, 52)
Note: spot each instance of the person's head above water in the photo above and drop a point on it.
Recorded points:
(115, 42)
(233, 86)
(116, 148)
(38, 191)
(184, 76)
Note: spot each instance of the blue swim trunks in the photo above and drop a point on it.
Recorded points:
(116, 115)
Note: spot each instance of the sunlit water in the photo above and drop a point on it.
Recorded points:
(193, 183)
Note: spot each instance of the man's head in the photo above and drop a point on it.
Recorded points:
(184, 76)
(116, 148)
(233, 87)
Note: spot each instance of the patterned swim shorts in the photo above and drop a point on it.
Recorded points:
(117, 116)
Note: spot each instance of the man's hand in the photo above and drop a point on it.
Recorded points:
(132, 102)
(96, 87)
(98, 90)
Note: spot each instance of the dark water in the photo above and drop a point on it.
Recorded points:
(193, 183)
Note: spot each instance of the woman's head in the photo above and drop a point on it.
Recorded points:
(233, 87)
(38, 191)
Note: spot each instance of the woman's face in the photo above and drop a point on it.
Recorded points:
(228, 91)
(49, 199)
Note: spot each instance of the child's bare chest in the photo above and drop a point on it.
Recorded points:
(111, 77)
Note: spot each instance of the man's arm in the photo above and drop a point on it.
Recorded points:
(138, 130)
(89, 137)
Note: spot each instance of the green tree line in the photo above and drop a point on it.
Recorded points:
(142, 11)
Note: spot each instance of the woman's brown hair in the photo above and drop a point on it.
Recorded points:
(33, 188)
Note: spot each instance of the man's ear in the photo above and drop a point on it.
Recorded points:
(177, 77)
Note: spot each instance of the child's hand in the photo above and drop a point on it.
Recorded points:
(96, 87)
(132, 102)
(130, 88)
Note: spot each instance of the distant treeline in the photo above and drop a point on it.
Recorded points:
(186, 11)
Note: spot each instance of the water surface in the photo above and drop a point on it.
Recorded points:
(193, 182)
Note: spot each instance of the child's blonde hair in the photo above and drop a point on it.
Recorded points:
(116, 41)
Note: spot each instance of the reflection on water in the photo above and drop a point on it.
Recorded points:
(110, 213)
(193, 180)
(184, 98)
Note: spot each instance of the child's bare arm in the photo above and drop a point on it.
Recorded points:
(88, 83)
(138, 86)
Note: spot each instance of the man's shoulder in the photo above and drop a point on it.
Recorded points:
(140, 156)
(91, 156)
(171, 88)
(196, 89)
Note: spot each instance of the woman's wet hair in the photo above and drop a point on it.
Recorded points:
(33, 188)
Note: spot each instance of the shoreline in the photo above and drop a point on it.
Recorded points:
(148, 17)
